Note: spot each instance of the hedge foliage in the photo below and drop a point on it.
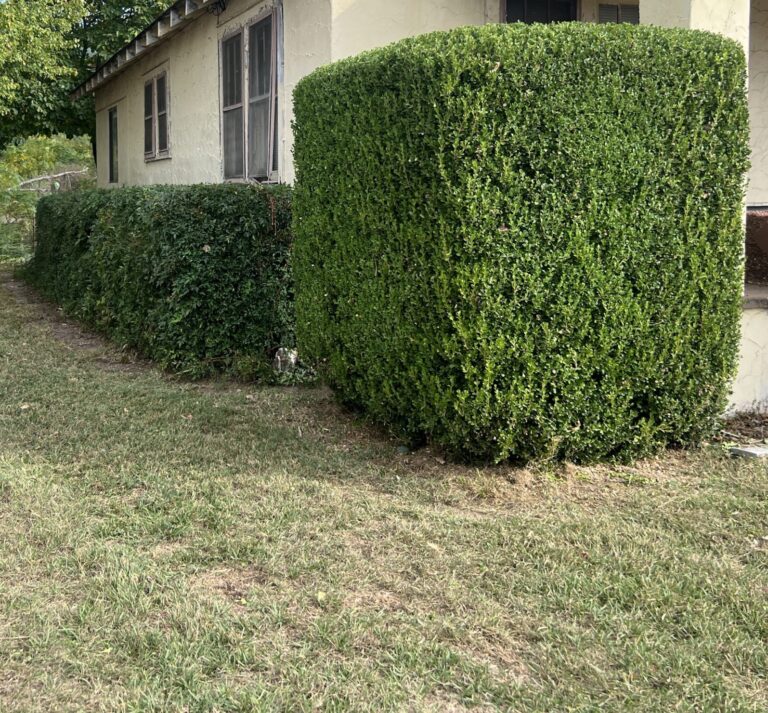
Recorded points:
(194, 277)
(526, 241)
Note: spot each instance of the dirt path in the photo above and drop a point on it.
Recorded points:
(68, 332)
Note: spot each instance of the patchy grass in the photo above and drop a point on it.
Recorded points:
(168, 546)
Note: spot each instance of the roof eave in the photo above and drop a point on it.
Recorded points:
(174, 19)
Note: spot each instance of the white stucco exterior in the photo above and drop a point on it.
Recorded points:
(757, 193)
(726, 17)
(750, 389)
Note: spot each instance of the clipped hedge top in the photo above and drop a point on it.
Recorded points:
(524, 240)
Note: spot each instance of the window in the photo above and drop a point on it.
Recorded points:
(232, 107)
(113, 175)
(619, 13)
(249, 125)
(541, 10)
(156, 118)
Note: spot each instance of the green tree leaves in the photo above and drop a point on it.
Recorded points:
(33, 54)
(48, 48)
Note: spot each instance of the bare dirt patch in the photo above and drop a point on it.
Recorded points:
(371, 598)
(749, 427)
(233, 584)
(67, 332)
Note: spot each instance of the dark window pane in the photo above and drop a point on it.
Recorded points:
(233, 143)
(515, 10)
(148, 125)
(233, 71)
(162, 96)
(274, 139)
(148, 138)
(162, 132)
(148, 99)
(630, 14)
(608, 13)
(561, 11)
(113, 175)
(537, 11)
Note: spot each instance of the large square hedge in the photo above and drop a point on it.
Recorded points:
(526, 241)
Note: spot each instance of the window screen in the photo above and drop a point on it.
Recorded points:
(232, 107)
(149, 122)
(161, 98)
(249, 101)
(260, 98)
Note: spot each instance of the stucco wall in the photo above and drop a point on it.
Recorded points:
(727, 17)
(666, 13)
(362, 24)
(757, 194)
(307, 46)
(750, 389)
(191, 59)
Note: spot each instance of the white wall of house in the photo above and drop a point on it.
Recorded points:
(750, 389)
(363, 24)
(727, 17)
(757, 193)
(191, 60)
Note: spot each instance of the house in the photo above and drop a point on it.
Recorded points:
(203, 94)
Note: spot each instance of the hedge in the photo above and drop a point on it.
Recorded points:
(524, 242)
(194, 277)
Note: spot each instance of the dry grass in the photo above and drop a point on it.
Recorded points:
(167, 546)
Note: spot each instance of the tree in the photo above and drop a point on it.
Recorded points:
(70, 40)
(30, 169)
(107, 26)
(37, 38)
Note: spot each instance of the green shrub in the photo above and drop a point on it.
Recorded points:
(526, 241)
(194, 277)
(29, 169)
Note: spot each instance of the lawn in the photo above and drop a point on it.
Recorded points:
(169, 546)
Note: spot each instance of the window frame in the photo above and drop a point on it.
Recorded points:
(273, 158)
(272, 172)
(113, 146)
(157, 154)
(239, 32)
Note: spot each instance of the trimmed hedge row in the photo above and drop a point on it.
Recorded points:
(194, 277)
(526, 241)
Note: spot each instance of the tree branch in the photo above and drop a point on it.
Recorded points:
(38, 179)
